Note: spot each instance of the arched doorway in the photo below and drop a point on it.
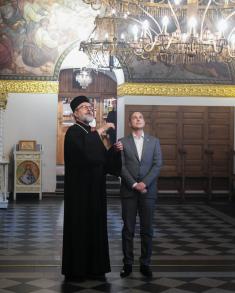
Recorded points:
(101, 91)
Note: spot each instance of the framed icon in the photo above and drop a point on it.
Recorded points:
(27, 145)
(27, 172)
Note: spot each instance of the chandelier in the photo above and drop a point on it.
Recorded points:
(170, 31)
(104, 48)
(83, 77)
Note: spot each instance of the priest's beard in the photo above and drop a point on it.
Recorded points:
(87, 118)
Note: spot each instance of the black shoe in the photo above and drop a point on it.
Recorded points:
(126, 271)
(146, 271)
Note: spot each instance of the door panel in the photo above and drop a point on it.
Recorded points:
(202, 137)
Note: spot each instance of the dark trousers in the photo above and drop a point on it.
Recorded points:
(145, 208)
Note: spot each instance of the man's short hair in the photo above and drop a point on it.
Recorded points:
(131, 113)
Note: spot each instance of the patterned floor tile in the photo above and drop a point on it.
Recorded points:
(209, 282)
(44, 291)
(8, 283)
(167, 282)
(22, 288)
(217, 290)
(194, 234)
(42, 283)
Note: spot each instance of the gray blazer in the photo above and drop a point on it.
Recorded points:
(146, 170)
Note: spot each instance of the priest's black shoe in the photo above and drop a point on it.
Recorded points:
(126, 271)
(146, 271)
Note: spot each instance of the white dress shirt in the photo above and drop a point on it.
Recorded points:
(139, 142)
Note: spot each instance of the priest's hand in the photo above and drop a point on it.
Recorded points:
(118, 146)
(105, 127)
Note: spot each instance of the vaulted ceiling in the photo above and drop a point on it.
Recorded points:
(37, 38)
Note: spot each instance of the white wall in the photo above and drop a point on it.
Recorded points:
(153, 100)
(75, 59)
(2, 115)
(33, 117)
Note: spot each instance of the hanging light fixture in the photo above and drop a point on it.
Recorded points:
(170, 31)
(104, 48)
(83, 77)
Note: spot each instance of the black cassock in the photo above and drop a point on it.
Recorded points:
(85, 240)
(112, 117)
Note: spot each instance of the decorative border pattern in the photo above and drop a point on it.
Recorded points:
(24, 86)
(62, 57)
(3, 100)
(191, 90)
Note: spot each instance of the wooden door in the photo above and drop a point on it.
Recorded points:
(162, 122)
(193, 139)
(204, 134)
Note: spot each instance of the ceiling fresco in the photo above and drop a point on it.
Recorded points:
(36, 36)
(211, 72)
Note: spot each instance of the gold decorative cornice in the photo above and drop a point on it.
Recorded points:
(29, 86)
(3, 100)
(190, 90)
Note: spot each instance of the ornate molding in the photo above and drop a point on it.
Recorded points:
(3, 100)
(190, 90)
(25, 86)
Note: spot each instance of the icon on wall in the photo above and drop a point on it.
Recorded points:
(27, 172)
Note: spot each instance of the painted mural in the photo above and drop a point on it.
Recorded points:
(35, 36)
(211, 72)
(35, 33)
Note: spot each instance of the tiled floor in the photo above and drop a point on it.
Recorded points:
(193, 250)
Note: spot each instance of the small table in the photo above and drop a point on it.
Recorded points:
(4, 184)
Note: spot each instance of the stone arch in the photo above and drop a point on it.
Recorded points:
(62, 57)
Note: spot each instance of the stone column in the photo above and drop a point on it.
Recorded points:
(3, 100)
(3, 162)
(1, 133)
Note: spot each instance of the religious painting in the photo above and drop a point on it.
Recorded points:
(34, 34)
(211, 72)
(27, 172)
(27, 145)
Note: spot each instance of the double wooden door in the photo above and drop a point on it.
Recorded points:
(195, 140)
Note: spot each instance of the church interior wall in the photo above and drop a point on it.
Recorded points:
(33, 117)
(162, 100)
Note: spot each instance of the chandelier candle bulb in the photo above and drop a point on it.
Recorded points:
(192, 26)
(173, 32)
(135, 32)
(165, 22)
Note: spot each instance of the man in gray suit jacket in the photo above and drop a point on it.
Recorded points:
(141, 163)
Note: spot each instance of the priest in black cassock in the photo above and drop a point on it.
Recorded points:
(87, 161)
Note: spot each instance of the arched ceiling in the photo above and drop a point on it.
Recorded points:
(38, 38)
